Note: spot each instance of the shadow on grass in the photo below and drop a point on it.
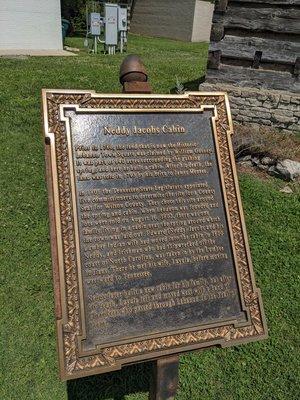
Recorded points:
(190, 86)
(114, 385)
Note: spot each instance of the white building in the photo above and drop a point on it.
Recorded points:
(188, 20)
(30, 27)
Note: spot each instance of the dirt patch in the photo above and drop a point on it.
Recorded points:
(264, 141)
(257, 173)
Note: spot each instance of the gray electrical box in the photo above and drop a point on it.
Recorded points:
(95, 24)
(111, 24)
(122, 19)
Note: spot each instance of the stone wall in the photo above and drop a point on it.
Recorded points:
(273, 108)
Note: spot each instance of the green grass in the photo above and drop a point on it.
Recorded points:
(28, 359)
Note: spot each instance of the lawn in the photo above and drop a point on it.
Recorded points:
(28, 360)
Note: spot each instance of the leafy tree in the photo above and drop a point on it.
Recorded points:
(75, 12)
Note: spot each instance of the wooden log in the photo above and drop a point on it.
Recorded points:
(221, 5)
(214, 59)
(256, 59)
(297, 67)
(272, 2)
(247, 77)
(261, 19)
(217, 32)
(276, 51)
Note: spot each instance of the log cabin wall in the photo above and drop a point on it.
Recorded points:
(255, 46)
(257, 34)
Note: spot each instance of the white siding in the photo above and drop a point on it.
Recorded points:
(164, 18)
(30, 25)
(188, 20)
(202, 21)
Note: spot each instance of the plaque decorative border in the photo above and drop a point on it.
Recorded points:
(66, 277)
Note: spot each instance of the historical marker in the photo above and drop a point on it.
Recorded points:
(149, 248)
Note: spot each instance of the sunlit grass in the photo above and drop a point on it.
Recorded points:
(28, 358)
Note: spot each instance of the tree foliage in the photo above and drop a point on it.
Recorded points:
(75, 12)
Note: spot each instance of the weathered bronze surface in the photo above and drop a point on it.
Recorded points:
(133, 76)
(150, 255)
(133, 70)
(165, 378)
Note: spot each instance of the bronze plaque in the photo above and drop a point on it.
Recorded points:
(149, 248)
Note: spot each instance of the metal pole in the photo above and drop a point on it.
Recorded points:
(121, 43)
(165, 378)
(95, 44)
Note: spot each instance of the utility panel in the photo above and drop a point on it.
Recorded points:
(109, 29)
(122, 19)
(95, 24)
(111, 24)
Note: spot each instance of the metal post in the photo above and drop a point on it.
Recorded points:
(165, 378)
(121, 43)
(133, 77)
(95, 44)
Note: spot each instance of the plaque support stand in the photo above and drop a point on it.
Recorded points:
(134, 79)
(165, 378)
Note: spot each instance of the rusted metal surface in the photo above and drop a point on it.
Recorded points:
(164, 383)
(133, 76)
(133, 70)
(136, 87)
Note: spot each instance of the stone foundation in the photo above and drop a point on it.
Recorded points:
(256, 107)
